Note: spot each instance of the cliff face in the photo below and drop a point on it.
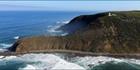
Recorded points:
(47, 43)
(114, 32)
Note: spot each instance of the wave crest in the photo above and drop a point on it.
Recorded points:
(16, 37)
(60, 61)
(53, 29)
(89, 62)
(38, 61)
(5, 45)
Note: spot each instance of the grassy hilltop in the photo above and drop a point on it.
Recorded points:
(109, 32)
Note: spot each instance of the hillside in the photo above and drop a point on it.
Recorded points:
(109, 32)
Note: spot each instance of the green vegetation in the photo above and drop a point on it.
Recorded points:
(100, 33)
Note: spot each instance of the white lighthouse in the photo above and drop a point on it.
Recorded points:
(110, 14)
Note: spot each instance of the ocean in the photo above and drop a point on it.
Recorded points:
(19, 24)
(56, 61)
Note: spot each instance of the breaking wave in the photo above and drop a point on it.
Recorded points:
(53, 29)
(54, 61)
(107, 63)
(3, 50)
(5, 45)
(16, 37)
(36, 61)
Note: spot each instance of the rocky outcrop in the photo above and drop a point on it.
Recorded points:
(98, 33)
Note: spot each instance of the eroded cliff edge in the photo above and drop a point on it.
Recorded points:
(109, 32)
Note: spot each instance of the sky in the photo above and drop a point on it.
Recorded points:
(69, 5)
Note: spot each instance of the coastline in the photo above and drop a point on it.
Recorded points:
(75, 53)
(109, 35)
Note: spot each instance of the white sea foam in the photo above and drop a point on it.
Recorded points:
(53, 62)
(28, 67)
(89, 61)
(53, 29)
(16, 37)
(3, 50)
(63, 22)
(64, 34)
(4, 45)
(10, 57)
(64, 65)
(41, 61)
(66, 22)
(1, 57)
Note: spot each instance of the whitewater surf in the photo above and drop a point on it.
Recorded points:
(62, 62)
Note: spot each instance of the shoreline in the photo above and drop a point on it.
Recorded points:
(75, 53)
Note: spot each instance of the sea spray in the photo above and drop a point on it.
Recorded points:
(5, 45)
(37, 61)
(105, 63)
(53, 29)
(62, 61)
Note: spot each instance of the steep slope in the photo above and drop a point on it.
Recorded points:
(109, 32)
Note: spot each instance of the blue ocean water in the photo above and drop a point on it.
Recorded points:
(18, 24)
(15, 24)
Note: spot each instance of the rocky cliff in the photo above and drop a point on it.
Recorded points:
(109, 32)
